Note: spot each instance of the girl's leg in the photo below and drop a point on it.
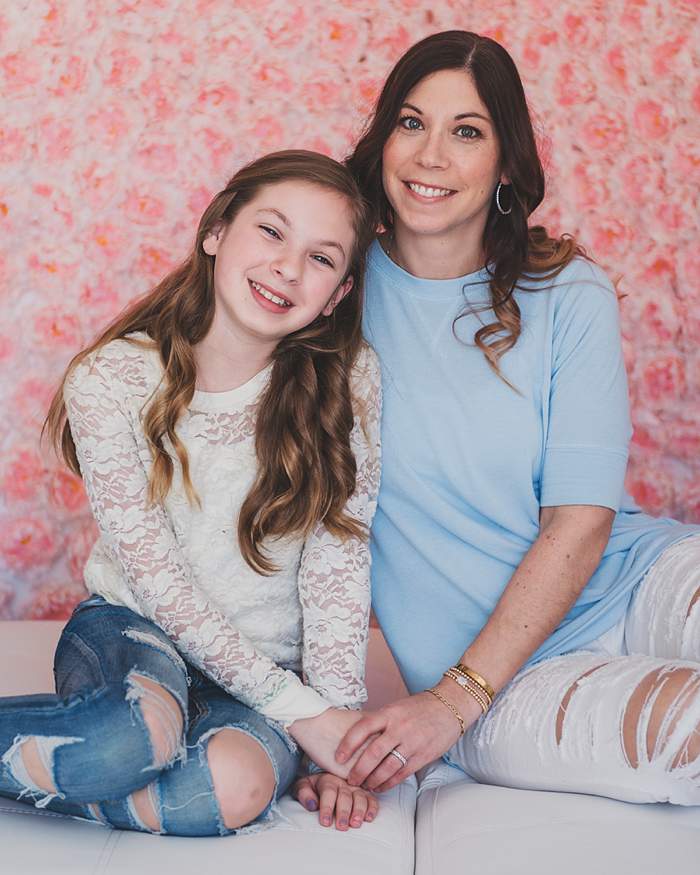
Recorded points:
(238, 764)
(115, 722)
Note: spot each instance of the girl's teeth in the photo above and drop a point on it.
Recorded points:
(270, 297)
(429, 192)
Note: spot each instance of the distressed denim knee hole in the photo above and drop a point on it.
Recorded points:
(44, 747)
(162, 716)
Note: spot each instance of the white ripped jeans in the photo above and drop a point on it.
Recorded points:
(620, 719)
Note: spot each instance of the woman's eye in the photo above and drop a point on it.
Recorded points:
(270, 232)
(468, 132)
(410, 123)
(321, 259)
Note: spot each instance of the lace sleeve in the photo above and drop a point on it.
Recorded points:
(141, 538)
(334, 583)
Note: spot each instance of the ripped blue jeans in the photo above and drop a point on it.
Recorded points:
(93, 740)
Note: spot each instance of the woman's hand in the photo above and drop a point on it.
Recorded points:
(420, 727)
(319, 737)
(331, 795)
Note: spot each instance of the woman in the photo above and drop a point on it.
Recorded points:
(547, 630)
(226, 429)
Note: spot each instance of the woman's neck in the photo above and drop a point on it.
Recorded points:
(431, 257)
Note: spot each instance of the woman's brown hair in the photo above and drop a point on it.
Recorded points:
(306, 467)
(511, 249)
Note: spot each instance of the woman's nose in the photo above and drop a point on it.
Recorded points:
(287, 267)
(431, 152)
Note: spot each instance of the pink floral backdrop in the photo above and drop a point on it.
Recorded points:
(119, 120)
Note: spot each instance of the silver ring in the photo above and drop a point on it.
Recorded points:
(399, 756)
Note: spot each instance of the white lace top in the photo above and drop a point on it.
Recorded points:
(181, 567)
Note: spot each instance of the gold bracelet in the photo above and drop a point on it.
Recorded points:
(471, 687)
(464, 670)
(438, 695)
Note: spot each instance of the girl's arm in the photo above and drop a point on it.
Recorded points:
(140, 537)
(334, 576)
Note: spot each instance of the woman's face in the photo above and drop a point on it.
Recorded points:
(281, 261)
(441, 164)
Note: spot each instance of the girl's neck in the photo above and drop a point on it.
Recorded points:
(225, 361)
(431, 257)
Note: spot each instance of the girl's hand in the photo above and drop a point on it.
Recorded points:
(329, 794)
(420, 727)
(319, 737)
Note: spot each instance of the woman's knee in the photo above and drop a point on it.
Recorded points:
(162, 716)
(242, 774)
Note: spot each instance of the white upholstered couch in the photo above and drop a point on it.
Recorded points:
(452, 826)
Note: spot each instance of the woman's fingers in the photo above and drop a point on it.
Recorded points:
(358, 734)
(385, 771)
(306, 794)
(370, 759)
(372, 808)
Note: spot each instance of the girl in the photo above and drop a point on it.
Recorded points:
(226, 429)
(514, 578)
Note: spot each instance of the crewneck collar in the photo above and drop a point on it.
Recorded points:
(472, 286)
(232, 399)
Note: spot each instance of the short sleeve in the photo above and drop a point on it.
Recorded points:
(589, 426)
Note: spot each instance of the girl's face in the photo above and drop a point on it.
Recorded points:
(281, 261)
(442, 162)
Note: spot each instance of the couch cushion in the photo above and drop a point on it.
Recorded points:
(462, 826)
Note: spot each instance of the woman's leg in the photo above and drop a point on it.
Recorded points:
(238, 764)
(664, 616)
(625, 726)
(115, 722)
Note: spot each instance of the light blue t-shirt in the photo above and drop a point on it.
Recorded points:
(467, 461)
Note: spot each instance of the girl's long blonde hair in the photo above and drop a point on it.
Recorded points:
(306, 467)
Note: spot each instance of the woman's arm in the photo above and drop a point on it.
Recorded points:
(538, 596)
(581, 482)
(140, 537)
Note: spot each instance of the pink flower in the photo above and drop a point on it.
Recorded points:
(23, 475)
(154, 262)
(124, 65)
(220, 98)
(650, 120)
(158, 158)
(6, 348)
(617, 69)
(589, 191)
(268, 133)
(160, 96)
(20, 73)
(80, 543)
(684, 439)
(66, 490)
(55, 602)
(109, 125)
(199, 200)
(273, 77)
(97, 185)
(664, 377)
(32, 398)
(109, 239)
(287, 27)
(604, 131)
(56, 138)
(27, 542)
(72, 79)
(58, 328)
(99, 295)
(662, 319)
(142, 207)
(12, 144)
(575, 29)
(665, 54)
(610, 237)
(690, 501)
(651, 493)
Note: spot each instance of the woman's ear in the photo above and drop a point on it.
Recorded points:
(342, 290)
(211, 242)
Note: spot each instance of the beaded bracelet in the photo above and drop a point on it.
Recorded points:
(438, 695)
(471, 687)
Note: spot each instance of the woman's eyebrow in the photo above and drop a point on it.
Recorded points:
(461, 115)
(285, 220)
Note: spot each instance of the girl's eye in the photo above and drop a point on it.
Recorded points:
(410, 123)
(468, 132)
(323, 260)
(270, 232)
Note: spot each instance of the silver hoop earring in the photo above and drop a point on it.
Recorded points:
(498, 202)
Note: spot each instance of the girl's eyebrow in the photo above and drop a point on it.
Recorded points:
(461, 115)
(285, 220)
